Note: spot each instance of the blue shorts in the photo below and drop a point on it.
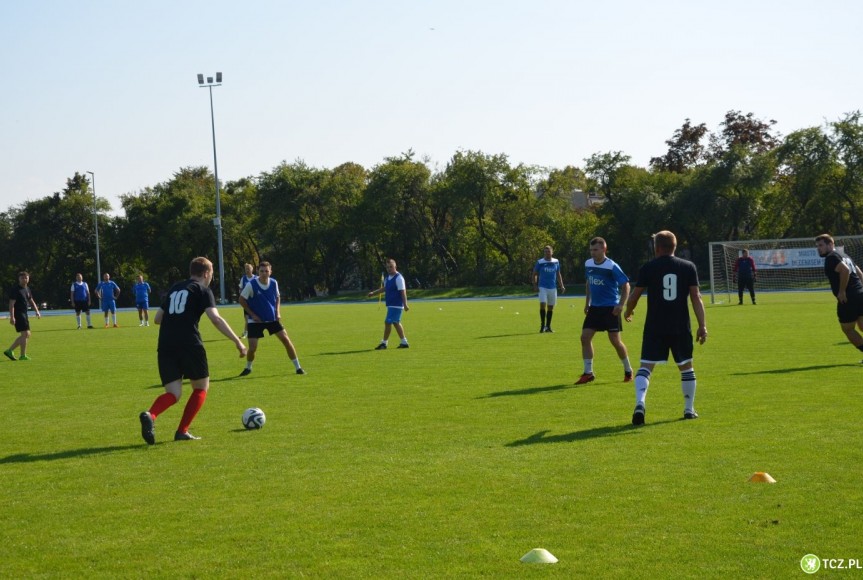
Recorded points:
(145, 305)
(109, 307)
(394, 315)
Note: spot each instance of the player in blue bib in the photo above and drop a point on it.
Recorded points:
(546, 277)
(79, 295)
(248, 276)
(261, 301)
(142, 301)
(396, 295)
(606, 292)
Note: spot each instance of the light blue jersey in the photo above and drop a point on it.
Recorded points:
(106, 290)
(262, 301)
(547, 270)
(142, 293)
(605, 280)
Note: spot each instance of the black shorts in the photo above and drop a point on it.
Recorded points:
(256, 329)
(655, 347)
(602, 319)
(82, 306)
(852, 310)
(22, 323)
(183, 362)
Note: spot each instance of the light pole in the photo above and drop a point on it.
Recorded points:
(96, 229)
(218, 221)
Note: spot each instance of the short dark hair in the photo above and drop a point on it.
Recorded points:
(825, 238)
(200, 266)
(265, 265)
(598, 240)
(23, 273)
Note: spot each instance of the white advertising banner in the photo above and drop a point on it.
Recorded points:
(788, 258)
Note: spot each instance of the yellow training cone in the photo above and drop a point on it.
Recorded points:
(539, 556)
(761, 477)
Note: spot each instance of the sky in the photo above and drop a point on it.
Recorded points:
(111, 87)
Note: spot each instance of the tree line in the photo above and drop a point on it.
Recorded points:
(479, 221)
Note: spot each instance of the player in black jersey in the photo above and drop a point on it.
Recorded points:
(846, 282)
(181, 351)
(671, 283)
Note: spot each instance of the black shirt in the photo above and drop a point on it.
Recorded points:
(183, 307)
(831, 261)
(22, 297)
(667, 280)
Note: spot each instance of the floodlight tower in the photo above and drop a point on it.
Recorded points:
(96, 228)
(218, 220)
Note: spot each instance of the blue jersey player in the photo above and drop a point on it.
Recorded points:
(606, 292)
(248, 276)
(260, 299)
(546, 277)
(396, 294)
(142, 301)
(108, 292)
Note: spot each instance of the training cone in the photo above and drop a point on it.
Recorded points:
(539, 556)
(761, 477)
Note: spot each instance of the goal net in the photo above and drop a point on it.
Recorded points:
(789, 264)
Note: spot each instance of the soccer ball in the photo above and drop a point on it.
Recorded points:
(254, 418)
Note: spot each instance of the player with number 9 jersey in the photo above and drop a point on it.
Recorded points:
(667, 280)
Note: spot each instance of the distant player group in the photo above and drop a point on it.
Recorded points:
(671, 284)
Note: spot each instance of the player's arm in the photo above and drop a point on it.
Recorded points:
(844, 276)
(624, 296)
(404, 294)
(35, 308)
(752, 263)
(72, 297)
(116, 291)
(560, 282)
(159, 315)
(534, 278)
(632, 302)
(586, 296)
(12, 312)
(698, 308)
(225, 328)
(247, 309)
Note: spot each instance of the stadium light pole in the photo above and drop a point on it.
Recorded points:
(96, 228)
(209, 84)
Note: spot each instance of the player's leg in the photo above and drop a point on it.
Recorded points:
(114, 314)
(642, 383)
(106, 310)
(24, 337)
(682, 352)
(140, 316)
(751, 285)
(850, 330)
(250, 353)
(587, 334)
(542, 309)
(283, 337)
(622, 354)
(78, 315)
(89, 321)
(193, 406)
(146, 315)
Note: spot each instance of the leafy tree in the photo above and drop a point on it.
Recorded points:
(685, 149)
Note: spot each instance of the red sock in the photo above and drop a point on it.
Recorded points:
(161, 404)
(193, 405)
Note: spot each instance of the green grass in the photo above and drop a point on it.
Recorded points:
(450, 459)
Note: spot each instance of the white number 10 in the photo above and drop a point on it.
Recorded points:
(177, 303)
(669, 287)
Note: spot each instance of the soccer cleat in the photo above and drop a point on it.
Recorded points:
(106, 325)
(404, 345)
(179, 436)
(245, 372)
(116, 326)
(690, 415)
(148, 428)
(147, 323)
(24, 357)
(548, 329)
(301, 371)
(9, 354)
(79, 327)
(585, 378)
(627, 376)
(244, 335)
(638, 415)
(381, 346)
(89, 326)
(541, 329)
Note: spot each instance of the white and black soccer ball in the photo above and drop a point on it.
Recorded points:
(254, 418)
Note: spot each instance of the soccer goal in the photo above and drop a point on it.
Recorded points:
(789, 264)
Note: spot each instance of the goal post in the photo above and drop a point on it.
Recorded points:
(781, 264)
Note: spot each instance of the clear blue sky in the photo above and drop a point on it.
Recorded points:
(110, 86)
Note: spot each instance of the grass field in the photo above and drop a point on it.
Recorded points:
(450, 459)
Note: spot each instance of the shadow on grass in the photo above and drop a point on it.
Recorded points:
(797, 369)
(28, 458)
(540, 437)
(530, 391)
(506, 335)
(343, 352)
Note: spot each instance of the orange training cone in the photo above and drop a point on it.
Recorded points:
(761, 477)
